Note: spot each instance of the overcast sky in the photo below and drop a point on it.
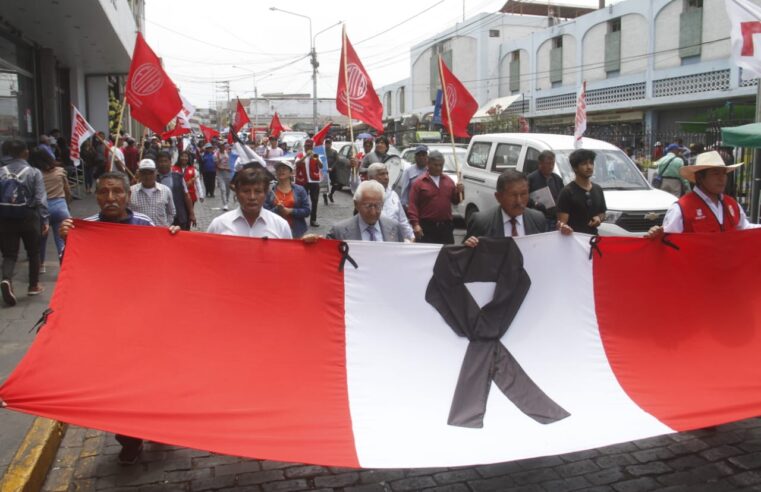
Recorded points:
(202, 41)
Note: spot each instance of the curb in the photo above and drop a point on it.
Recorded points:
(35, 454)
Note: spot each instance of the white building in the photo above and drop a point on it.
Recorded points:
(62, 53)
(294, 110)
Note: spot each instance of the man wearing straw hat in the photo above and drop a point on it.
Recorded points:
(706, 208)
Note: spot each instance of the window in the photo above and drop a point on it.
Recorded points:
(387, 103)
(506, 157)
(557, 42)
(531, 163)
(401, 100)
(556, 62)
(479, 154)
(613, 48)
(691, 29)
(695, 4)
(446, 55)
(493, 33)
(614, 25)
(515, 72)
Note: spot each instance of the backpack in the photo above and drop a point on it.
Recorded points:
(15, 195)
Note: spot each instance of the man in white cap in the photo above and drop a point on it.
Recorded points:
(706, 208)
(151, 198)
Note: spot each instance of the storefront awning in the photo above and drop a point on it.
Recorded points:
(502, 102)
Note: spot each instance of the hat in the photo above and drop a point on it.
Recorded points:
(706, 160)
(673, 147)
(146, 164)
(421, 148)
(208, 146)
(658, 144)
(285, 163)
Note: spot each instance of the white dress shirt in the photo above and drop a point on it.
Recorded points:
(509, 227)
(673, 223)
(268, 224)
(392, 208)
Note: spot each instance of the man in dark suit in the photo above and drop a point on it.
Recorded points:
(368, 225)
(544, 177)
(510, 218)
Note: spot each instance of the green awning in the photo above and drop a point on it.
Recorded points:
(742, 136)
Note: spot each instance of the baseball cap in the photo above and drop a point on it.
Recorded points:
(147, 164)
(672, 147)
(421, 148)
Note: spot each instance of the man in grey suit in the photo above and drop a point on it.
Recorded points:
(511, 218)
(368, 225)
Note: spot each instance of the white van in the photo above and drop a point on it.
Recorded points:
(633, 205)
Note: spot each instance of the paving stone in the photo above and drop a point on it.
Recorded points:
(214, 460)
(86, 467)
(578, 468)
(212, 483)
(492, 484)
(580, 455)
(637, 485)
(606, 476)
(275, 465)
(374, 487)
(542, 462)
(748, 461)
(138, 475)
(688, 446)
(499, 469)
(624, 447)
(58, 479)
(747, 479)
(179, 463)
(652, 454)
(257, 477)
(599, 488)
(565, 484)
(534, 476)
(654, 442)
(237, 468)
(286, 485)
(652, 468)
(615, 460)
(340, 480)
(727, 437)
(453, 487)
(416, 472)
(187, 475)
(161, 487)
(750, 445)
(720, 486)
(305, 471)
(720, 452)
(697, 475)
(686, 462)
(412, 483)
(375, 476)
(458, 475)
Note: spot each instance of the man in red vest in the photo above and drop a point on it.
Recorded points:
(706, 208)
(308, 175)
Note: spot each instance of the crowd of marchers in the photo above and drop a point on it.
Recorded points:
(161, 184)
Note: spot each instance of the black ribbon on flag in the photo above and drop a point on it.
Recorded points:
(486, 359)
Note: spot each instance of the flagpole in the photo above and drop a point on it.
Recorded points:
(449, 119)
(142, 141)
(81, 161)
(118, 129)
(348, 98)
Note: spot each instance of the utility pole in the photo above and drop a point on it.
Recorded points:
(224, 86)
(315, 64)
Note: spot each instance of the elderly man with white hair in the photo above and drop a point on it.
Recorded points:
(392, 204)
(368, 224)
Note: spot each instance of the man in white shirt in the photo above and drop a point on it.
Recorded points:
(251, 219)
(273, 150)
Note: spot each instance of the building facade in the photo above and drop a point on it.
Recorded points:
(62, 54)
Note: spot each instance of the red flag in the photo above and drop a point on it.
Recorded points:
(175, 132)
(208, 133)
(319, 137)
(365, 104)
(275, 126)
(240, 118)
(150, 92)
(459, 104)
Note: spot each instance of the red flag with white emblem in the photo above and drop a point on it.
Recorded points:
(275, 126)
(459, 104)
(320, 136)
(150, 92)
(354, 85)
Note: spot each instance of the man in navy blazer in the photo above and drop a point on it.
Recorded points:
(511, 217)
(368, 225)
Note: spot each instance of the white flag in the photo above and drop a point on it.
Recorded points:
(745, 31)
(183, 117)
(80, 131)
(581, 115)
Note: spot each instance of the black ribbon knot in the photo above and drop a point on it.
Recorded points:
(486, 359)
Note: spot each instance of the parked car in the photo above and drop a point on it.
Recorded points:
(450, 166)
(633, 205)
(395, 166)
(294, 140)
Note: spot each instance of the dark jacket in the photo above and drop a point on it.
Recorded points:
(174, 181)
(489, 223)
(301, 209)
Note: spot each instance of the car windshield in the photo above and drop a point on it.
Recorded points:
(449, 163)
(613, 170)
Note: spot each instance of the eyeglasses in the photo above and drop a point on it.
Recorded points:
(371, 206)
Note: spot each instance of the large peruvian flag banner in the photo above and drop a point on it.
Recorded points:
(150, 92)
(420, 356)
